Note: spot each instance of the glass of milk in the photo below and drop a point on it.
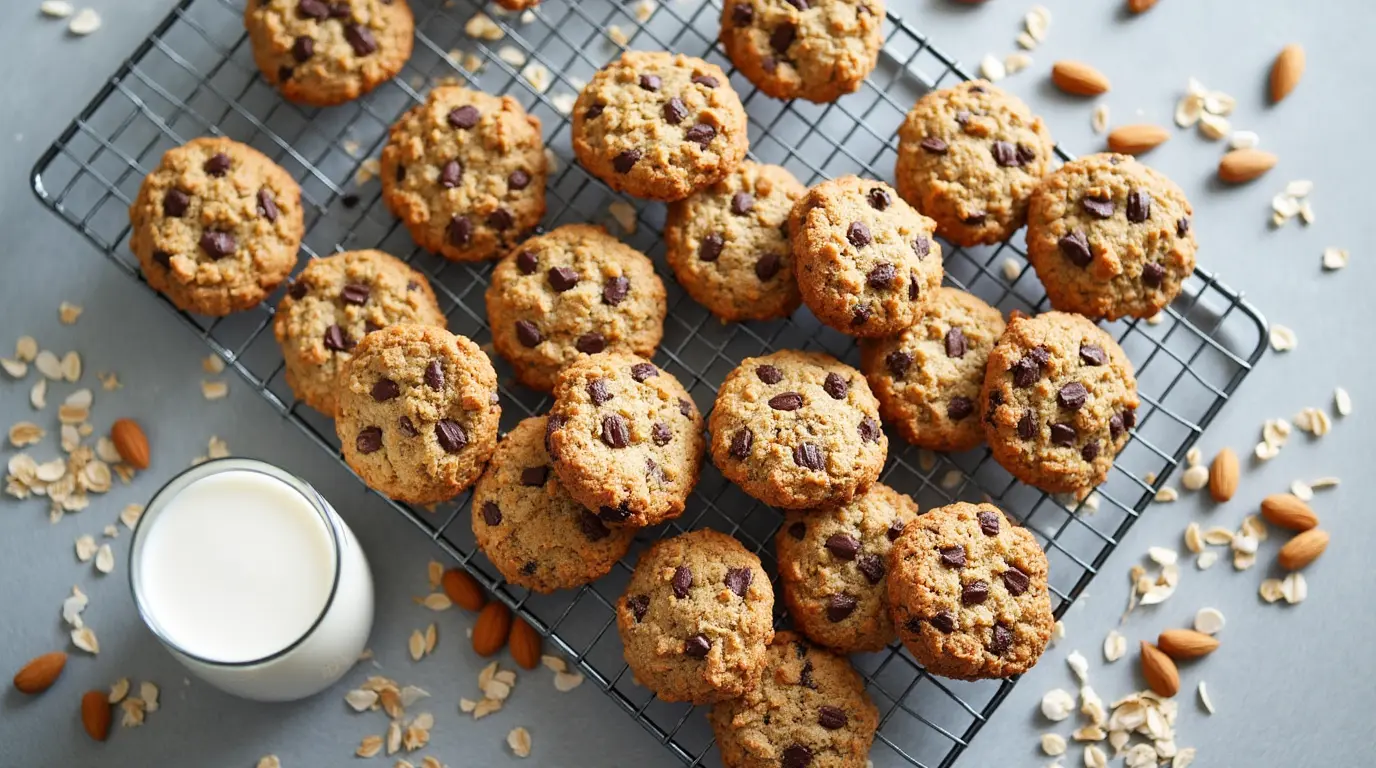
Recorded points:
(251, 580)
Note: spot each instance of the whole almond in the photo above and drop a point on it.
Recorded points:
(1186, 643)
(1078, 78)
(1223, 475)
(1287, 510)
(491, 629)
(1243, 165)
(525, 644)
(130, 442)
(1136, 139)
(40, 673)
(463, 589)
(95, 714)
(1286, 71)
(1140, 6)
(1160, 672)
(1303, 549)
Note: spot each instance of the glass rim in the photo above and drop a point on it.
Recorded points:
(200, 471)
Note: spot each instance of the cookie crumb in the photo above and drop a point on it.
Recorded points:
(67, 313)
(482, 27)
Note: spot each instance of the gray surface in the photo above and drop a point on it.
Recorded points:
(1289, 682)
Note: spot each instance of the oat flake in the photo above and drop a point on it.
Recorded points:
(105, 559)
(1053, 744)
(269, 761)
(519, 741)
(85, 639)
(84, 22)
(991, 69)
(369, 747)
(567, 681)
(17, 369)
(119, 690)
(554, 663)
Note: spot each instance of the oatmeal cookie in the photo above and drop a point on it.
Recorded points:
(817, 50)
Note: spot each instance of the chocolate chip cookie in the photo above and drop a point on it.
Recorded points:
(659, 125)
(626, 439)
(696, 618)
(866, 261)
(418, 412)
(1059, 398)
(1110, 237)
(326, 52)
(797, 430)
(832, 568)
(804, 49)
(728, 244)
(529, 526)
(810, 710)
(216, 226)
(332, 304)
(570, 293)
(928, 377)
(465, 172)
(969, 156)
(968, 592)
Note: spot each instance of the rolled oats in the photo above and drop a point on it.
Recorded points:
(416, 645)
(133, 712)
(519, 741)
(1213, 127)
(71, 366)
(26, 349)
(1053, 744)
(554, 663)
(1270, 590)
(1016, 62)
(1342, 401)
(17, 369)
(84, 637)
(105, 559)
(567, 681)
(68, 313)
(1095, 757)
(1282, 338)
(1302, 490)
(482, 27)
(1194, 539)
(991, 69)
(84, 22)
(49, 365)
(1294, 588)
(1057, 704)
(269, 761)
(1167, 494)
(118, 691)
(213, 364)
(1079, 665)
(369, 747)
(1099, 119)
(617, 35)
(1184, 758)
(1115, 645)
(1334, 258)
(1243, 140)
(25, 433)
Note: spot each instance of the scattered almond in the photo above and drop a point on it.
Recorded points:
(1243, 165)
(1136, 139)
(96, 715)
(130, 442)
(1223, 475)
(1288, 511)
(1159, 671)
(1303, 549)
(1186, 643)
(40, 673)
(1079, 78)
(1286, 71)
(463, 589)
(1140, 6)
(492, 628)
(525, 644)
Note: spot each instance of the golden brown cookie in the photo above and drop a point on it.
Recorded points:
(804, 49)
(968, 592)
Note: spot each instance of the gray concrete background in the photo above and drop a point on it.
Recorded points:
(1291, 684)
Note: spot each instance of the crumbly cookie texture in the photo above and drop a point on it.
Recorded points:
(817, 50)
(659, 126)
(334, 302)
(529, 526)
(696, 618)
(418, 412)
(626, 439)
(216, 226)
(728, 244)
(810, 710)
(866, 261)
(928, 377)
(1110, 237)
(325, 53)
(797, 430)
(969, 157)
(1059, 397)
(466, 173)
(570, 293)
(833, 564)
(968, 592)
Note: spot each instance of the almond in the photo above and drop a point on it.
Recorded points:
(1078, 78)
(130, 442)
(463, 589)
(1286, 71)
(40, 673)
(1136, 139)
(491, 629)
(1302, 550)
(1243, 165)
(1286, 510)
(1223, 475)
(525, 644)
(1160, 672)
(1186, 643)
(95, 714)
(1140, 6)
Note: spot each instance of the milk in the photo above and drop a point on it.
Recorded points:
(251, 580)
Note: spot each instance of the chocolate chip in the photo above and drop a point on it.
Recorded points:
(682, 581)
(974, 593)
(944, 621)
(872, 566)
(401, 173)
(1027, 426)
(434, 375)
(742, 14)
(660, 433)
(1092, 354)
(626, 160)
(297, 290)
(1072, 396)
(1002, 638)
(360, 38)
(369, 440)
(528, 334)
(839, 607)
(769, 374)
(385, 389)
(615, 290)
(562, 278)
(956, 345)
(217, 165)
(879, 198)
(740, 443)
(1129, 418)
(1026, 154)
(1152, 274)
(786, 401)
(801, 5)
(1063, 435)
(912, 285)
(492, 514)
(527, 262)
(831, 718)
(843, 545)
(355, 293)
(639, 605)
(953, 556)
(1115, 426)
(959, 407)
(869, 430)
(590, 343)
(463, 117)
(686, 408)
(406, 427)
(995, 400)
(1100, 207)
(616, 433)
(975, 218)
(674, 111)
(836, 386)
(1016, 581)
(808, 455)
(767, 266)
(881, 276)
(895, 530)
(594, 112)
(175, 202)
(650, 82)
(988, 522)
(922, 246)
(597, 391)
(1026, 372)
(738, 580)
(710, 247)
(782, 37)
(697, 646)
(897, 362)
(500, 219)
(642, 371)
(593, 529)
(701, 134)
(933, 145)
(1075, 247)
(862, 315)
(337, 340)
(859, 234)
(451, 436)
(313, 9)
(459, 231)
(534, 476)
(1090, 450)
(267, 207)
(518, 180)
(1139, 206)
(769, 64)
(302, 48)
(555, 422)
(706, 81)
(217, 245)
(962, 117)
(618, 514)
(1040, 355)
(450, 174)
(1182, 226)
(1005, 154)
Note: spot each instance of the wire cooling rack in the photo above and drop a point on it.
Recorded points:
(194, 76)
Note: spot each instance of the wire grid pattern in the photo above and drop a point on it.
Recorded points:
(194, 75)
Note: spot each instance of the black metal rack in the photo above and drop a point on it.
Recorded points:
(194, 76)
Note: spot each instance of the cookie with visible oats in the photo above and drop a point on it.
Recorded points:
(529, 526)
(216, 226)
(327, 52)
(334, 302)
(418, 412)
(696, 618)
(968, 592)
(1110, 237)
(1059, 397)
(465, 172)
(817, 50)
(659, 125)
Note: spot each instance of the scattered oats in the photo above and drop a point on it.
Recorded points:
(1149, 478)
(428, 762)
(563, 102)
(1334, 258)
(1314, 421)
(416, 645)
(360, 700)
(1324, 482)
(926, 460)
(1118, 740)
(497, 690)
(1219, 103)
(38, 396)
(26, 349)
(1037, 21)
(467, 705)
(1057, 631)
(367, 171)
(412, 694)
(1210, 621)
(369, 747)
(1185, 757)
(1079, 665)
(1016, 62)
(1090, 732)
(538, 76)
(1243, 140)
(84, 637)
(1162, 555)
(1213, 127)
(84, 22)
(269, 761)
(49, 365)
(51, 471)
(506, 676)
(17, 369)
(393, 737)
(1158, 593)
(1307, 212)
(1294, 588)
(1092, 706)
(1299, 188)
(1245, 542)
(1277, 220)
(951, 479)
(213, 364)
(512, 55)
(1188, 110)
(1026, 41)
(1095, 757)
(1206, 560)
(567, 681)
(71, 366)
(519, 741)
(1167, 494)
(1099, 119)
(1218, 536)
(26, 433)
(68, 313)
(1193, 457)
(991, 69)
(554, 663)
(1285, 206)
(217, 448)
(1270, 590)
(432, 637)
(416, 735)
(133, 712)
(1057, 704)
(1194, 539)
(482, 26)
(1253, 526)
(1195, 477)
(1053, 744)
(437, 601)
(528, 17)
(119, 690)
(1157, 319)
(130, 515)
(552, 160)
(472, 63)
(643, 11)
(105, 559)
(624, 213)
(1266, 451)
(617, 35)
(1342, 401)
(1282, 338)
(1011, 269)
(1302, 490)
(57, 9)
(73, 606)
(1244, 560)
(149, 693)
(109, 381)
(72, 414)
